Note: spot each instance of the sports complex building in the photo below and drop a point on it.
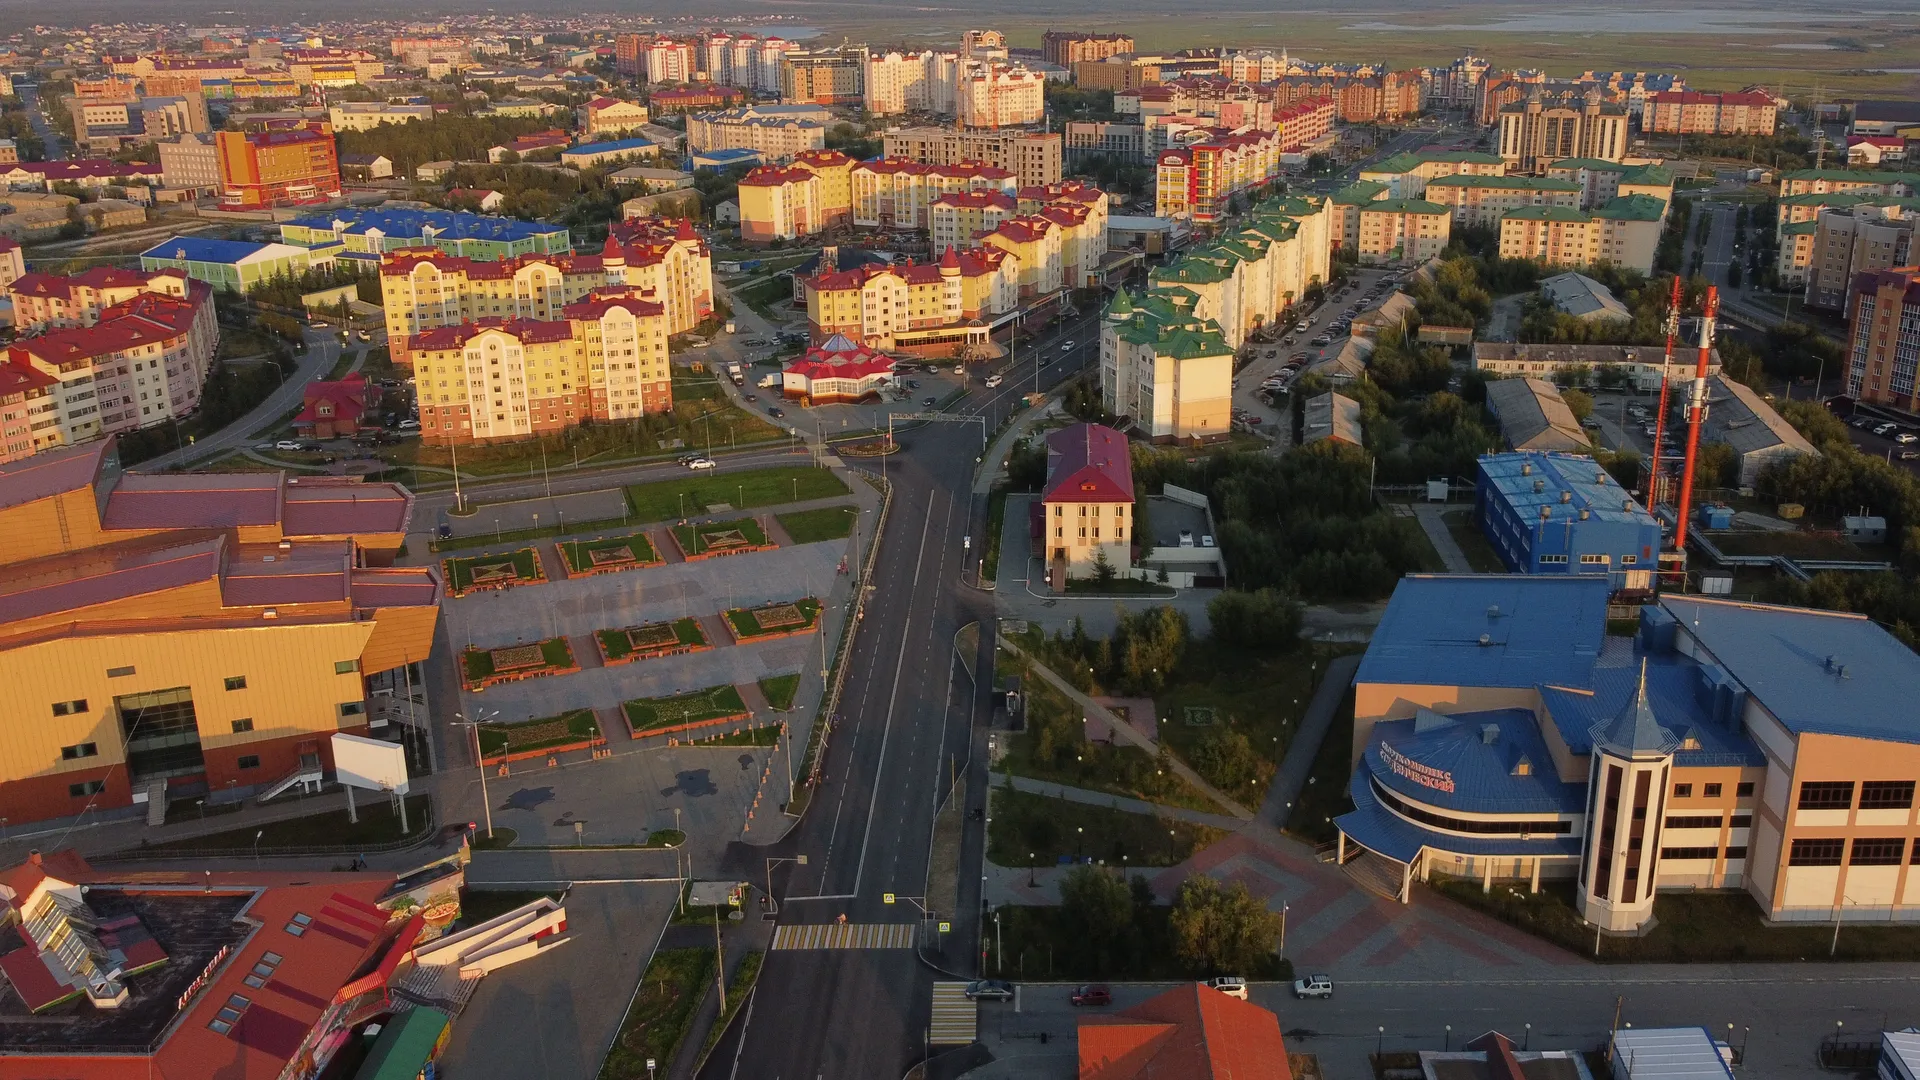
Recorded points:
(1501, 732)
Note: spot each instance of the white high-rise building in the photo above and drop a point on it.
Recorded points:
(895, 83)
(996, 96)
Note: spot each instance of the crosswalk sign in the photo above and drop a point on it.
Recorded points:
(886, 898)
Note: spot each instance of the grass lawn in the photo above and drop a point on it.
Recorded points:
(672, 987)
(1698, 927)
(568, 727)
(692, 424)
(1473, 544)
(378, 825)
(780, 689)
(696, 386)
(479, 905)
(689, 708)
(460, 570)
(1034, 830)
(665, 500)
(746, 623)
(996, 520)
(1325, 796)
(761, 297)
(618, 643)
(555, 653)
(825, 523)
(579, 553)
(1039, 943)
(744, 976)
(1262, 697)
(694, 538)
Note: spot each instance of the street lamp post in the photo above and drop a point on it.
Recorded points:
(772, 903)
(480, 760)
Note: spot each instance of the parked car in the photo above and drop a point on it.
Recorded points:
(990, 990)
(1314, 986)
(1092, 994)
(927, 402)
(700, 463)
(289, 444)
(1909, 455)
(1231, 985)
(748, 398)
(409, 425)
(960, 370)
(1906, 437)
(1885, 429)
(365, 336)
(1302, 327)
(775, 412)
(1322, 341)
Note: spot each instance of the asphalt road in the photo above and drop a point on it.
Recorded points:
(908, 721)
(323, 351)
(30, 97)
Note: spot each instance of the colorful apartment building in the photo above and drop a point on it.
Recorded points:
(611, 116)
(928, 309)
(1624, 232)
(1401, 232)
(1603, 181)
(811, 195)
(1065, 48)
(369, 233)
(1344, 230)
(1545, 128)
(1201, 181)
(1033, 157)
(894, 193)
(205, 629)
(29, 412)
(1483, 200)
(498, 379)
(1086, 506)
(679, 99)
(424, 289)
(1406, 175)
(1882, 360)
(1693, 112)
(779, 132)
(281, 167)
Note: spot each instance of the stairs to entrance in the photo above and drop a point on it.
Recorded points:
(1376, 874)
(310, 776)
(157, 802)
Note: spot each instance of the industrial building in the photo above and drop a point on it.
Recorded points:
(1564, 514)
(1533, 416)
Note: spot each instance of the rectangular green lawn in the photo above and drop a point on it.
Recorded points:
(461, 569)
(568, 727)
(689, 535)
(479, 662)
(824, 523)
(616, 643)
(662, 500)
(645, 714)
(745, 625)
(580, 552)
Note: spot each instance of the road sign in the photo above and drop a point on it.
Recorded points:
(966, 542)
(946, 928)
(886, 898)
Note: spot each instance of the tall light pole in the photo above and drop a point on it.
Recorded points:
(480, 759)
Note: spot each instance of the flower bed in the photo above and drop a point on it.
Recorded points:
(482, 668)
(684, 712)
(719, 539)
(608, 555)
(480, 573)
(771, 621)
(867, 448)
(574, 730)
(630, 643)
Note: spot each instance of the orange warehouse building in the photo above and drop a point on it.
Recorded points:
(278, 167)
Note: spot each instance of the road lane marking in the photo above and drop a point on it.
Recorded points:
(955, 1016)
(796, 936)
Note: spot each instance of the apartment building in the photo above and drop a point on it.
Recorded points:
(1202, 180)
(1624, 232)
(611, 116)
(996, 96)
(1343, 232)
(959, 219)
(1065, 48)
(202, 632)
(367, 115)
(823, 76)
(1603, 181)
(1642, 365)
(1883, 338)
(694, 98)
(1358, 99)
(29, 406)
(332, 67)
(925, 309)
(890, 193)
(666, 261)
(1086, 505)
(1692, 112)
(128, 350)
(896, 82)
(278, 167)
(1540, 130)
(190, 162)
(1852, 241)
(1406, 175)
(778, 131)
(1120, 73)
(809, 197)
(372, 231)
(1401, 232)
(1033, 157)
(496, 379)
(1483, 200)
(1088, 137)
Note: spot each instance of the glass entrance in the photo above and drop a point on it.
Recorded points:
(162, 733)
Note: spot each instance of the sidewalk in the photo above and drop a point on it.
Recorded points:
(1435, 526)
(1088, 797)
(740, 939)
(1291, 779)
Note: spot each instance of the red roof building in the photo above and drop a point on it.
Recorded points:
(1192, 1032)
(675, 99)
(333, 410)
(25, 396)
(836, 371)
(1085, 513)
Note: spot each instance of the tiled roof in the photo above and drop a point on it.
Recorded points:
(1088, 463)
(1192, 1032)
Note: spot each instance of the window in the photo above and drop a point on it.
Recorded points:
(342, 667)
(119, 672)
(1823, 852)
(236, 682)
(298, 926)
(229, 1014)
(1826, 795)
(1555, 560)
(1710, 791)
(243, 725)
(249, 761)
(1683, 791)
(1878, 851)
(86, 788)
(1689, 852)
(263, 970)
(1593, 560)
(1736, 853)
(353, 708)
(1697, 821)
(1886, 795)
(1742, 821)
(70, 708)
(79, 750)
(1743, 789)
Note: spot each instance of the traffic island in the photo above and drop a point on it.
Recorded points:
(544, 737)
(482, 573)
(772, 621)
(482, 668)
(662, 1009)
(608, 555)
(649, 640)
(711, 707)
(719, 539)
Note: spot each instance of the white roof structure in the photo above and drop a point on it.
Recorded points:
(1584, 298)
(1668, 1054)
(1901, 1050)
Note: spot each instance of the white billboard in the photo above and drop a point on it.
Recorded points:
(369, 763)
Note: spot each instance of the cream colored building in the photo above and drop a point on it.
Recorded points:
(1624, 232)
(1537, 132)
(1033, 157)
(367, 115)
(998, 96)
(1482, 200)
(1401, 232)
(1406, 175)
(1086, 506)
(779, 132)
(891, 193)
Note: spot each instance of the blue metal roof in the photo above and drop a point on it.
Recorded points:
(730, 154)
(608, 147)
(445, 224)
(1536, 630)
(202, 249)
(1471, 762)
(1824, 672)
(1382, 831)
(1561, 485)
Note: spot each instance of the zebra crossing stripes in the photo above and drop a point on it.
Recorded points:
(844, 936)
(955, 1015)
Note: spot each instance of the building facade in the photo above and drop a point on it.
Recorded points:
(1086, 506)
(277, 168)
(777, 131)
(1559, 513)
(1066, 48)
(937, 309)
(1541, 130)
(1691, 112)
(1883, 338)
(1032, 157)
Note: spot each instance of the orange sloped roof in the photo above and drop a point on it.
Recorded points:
(1189, 1032)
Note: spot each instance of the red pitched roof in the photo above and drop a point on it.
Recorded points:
(1088, 463)
(348, 397)
(18, 378)
(1191, 1032)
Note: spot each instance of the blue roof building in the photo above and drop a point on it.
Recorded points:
(726, 159)
(1548, 513)
(235, 265)
(1500, 732)
(366, 233)
(602, 153)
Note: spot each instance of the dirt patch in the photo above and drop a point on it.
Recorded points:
(493, 573)
(517, 657)
(778, 616)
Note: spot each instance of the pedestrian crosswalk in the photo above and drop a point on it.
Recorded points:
(845, 936)
(955, 1015)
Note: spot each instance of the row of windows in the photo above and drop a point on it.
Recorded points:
(1733, 853)
(1707, 821)
(1874, 795)
(1743, 789)
(1867, 851)
(78, 706)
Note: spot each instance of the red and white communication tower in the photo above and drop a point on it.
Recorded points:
(1653, 492)
(1696, 416)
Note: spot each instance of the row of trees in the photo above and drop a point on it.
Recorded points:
(1214, 929)
(453, 137)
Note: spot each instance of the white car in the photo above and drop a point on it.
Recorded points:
(1066, 346)
(960, 370)
(1313, 986)
(288, 444)
(700, 463)
(1906, 437)
(1231, 985)
(995, 380)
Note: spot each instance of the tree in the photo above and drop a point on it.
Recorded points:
(1103, 571)
(1100, 906)
(1222, 930)
(1579, 403)
(1261, 619)
(1226, 760)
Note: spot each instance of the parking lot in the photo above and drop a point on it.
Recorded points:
(1269, 414)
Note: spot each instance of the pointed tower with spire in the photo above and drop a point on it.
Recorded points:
(1631, 771)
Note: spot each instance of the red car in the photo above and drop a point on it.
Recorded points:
(1093, 994)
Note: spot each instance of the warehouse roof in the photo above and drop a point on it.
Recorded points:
(1533, 415)
(1511, 630)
